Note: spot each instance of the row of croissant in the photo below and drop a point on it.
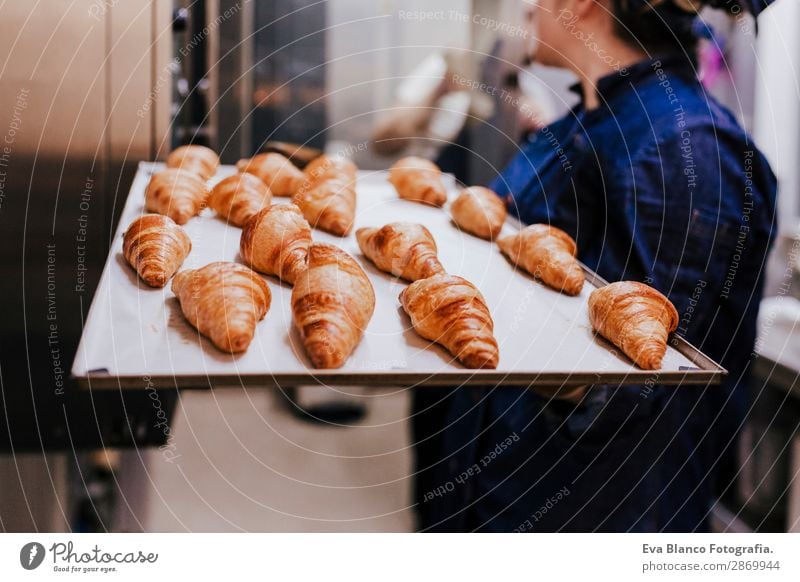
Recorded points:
(332, 298)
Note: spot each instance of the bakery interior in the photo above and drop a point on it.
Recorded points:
(92, 88)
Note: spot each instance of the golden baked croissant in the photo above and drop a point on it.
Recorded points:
(224, 301)
(636, 318)
(329, 205)
(176, 193)
(275, 242)
(547, 253)
(418, 180)
(452, 312)
(196, 159)
(276, 171)
(332, 303)
(156, 247)
(239, 197)
(403, 249)
(479, 211)
(328, 167)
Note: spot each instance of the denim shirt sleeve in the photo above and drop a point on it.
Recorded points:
(542, 173)
(685, 207)
(679, 215)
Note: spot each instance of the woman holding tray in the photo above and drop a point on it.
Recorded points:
(658, 183)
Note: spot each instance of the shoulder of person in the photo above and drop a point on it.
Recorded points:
(713, 138)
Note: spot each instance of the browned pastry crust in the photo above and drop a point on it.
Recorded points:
(418, 180)
(452, 312)
(224, 301)
(196, 159)
(239, 197)
(327, 197)
(479, 211)
(329, 205)
(176, 193)
(403, 249)
(276, 171)
(332, 304)
(329, 167)
(276, 241)
(547, 253)
(155, 247)
(636, 318)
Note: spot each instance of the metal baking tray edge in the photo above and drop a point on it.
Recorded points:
(707, 373)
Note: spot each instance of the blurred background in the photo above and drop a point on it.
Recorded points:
(91, 87)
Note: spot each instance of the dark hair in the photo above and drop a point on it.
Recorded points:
(661, 26)
(657, 27)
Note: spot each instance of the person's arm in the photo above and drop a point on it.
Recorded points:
(391, 134)
(414, 107)
(684, 231)
(687, 215)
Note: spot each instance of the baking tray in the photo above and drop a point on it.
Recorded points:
(137, 337)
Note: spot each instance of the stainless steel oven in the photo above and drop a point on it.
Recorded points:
(85, 93)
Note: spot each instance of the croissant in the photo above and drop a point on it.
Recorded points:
(328, 167)
(275, 242)
(332, 303)
(329, 206)
(479, 211)
(403, 249)
(224, 301)
(156, 247)
(196, 159)
(176, 193)
(276, 171)
(636, 318)
(547, 253)
(452, 312)
(237, 198)
(418, 180)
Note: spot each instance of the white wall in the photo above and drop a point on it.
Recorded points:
(777, 116)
